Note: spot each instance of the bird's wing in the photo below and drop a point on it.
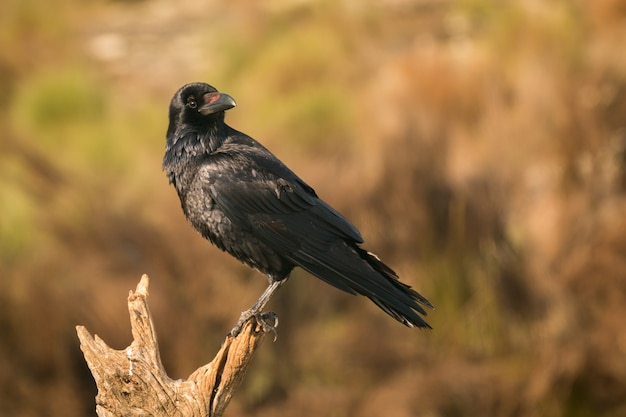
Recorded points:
(258, 192)
(271, 202)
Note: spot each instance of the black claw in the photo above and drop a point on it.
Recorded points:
(234, 332)
(262, 320)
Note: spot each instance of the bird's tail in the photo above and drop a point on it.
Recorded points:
(403, 302)
(357, 271)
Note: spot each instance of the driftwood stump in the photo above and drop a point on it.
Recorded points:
(132, 382)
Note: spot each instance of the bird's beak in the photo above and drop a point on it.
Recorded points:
(216, 102)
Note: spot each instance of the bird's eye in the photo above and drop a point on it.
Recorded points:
(191, 103)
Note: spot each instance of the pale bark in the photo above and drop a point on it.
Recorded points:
(132, 382)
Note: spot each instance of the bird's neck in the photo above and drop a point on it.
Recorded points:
(213, 138)
(193, 142)
(188, 147)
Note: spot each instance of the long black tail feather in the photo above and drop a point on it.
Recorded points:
(357, 271)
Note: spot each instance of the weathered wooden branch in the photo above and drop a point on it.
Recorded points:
(132, 382)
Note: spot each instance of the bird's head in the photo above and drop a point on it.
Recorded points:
(198, 105)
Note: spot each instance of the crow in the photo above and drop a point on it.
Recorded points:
(246, 202)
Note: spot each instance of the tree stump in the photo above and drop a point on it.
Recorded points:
(132, 382)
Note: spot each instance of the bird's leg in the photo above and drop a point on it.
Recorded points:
(255, 310)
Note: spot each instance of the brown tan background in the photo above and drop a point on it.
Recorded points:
(480, 147)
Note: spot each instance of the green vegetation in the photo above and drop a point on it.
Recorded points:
(478, 145)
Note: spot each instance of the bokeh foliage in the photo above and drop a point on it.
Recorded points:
(479, 146)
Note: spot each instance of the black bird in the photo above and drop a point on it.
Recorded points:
(244, 200)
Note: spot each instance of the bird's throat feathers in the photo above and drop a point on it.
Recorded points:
(187, 145)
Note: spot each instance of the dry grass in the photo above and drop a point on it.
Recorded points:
(478, 145)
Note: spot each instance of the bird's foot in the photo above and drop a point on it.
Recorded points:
(261, 319)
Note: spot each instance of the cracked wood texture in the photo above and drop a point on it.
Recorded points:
(132, 382)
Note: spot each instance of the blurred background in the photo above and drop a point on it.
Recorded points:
(479, 146)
